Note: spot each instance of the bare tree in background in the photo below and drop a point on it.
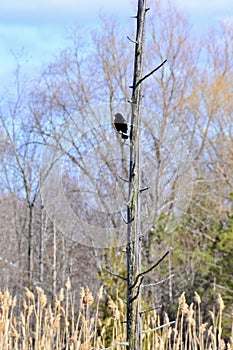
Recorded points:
(21, 163)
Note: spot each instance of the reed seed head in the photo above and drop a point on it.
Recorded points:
(61, 295)
(197, 298)
(220, 303)
(43, 300)
(100, 294)
(56, 322)
(120, 304)
(68, 284)
(29, 294)
(88, 299)
(183, 306)
(202, 328)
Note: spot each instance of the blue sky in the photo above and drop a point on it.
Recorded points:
(38, 27)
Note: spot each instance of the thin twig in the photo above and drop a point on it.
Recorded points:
(132, 41)
(121, 178)
(145, 189)
(159, 282)
(125, 221)
(151, 309)
(152, 72)
(115, 274)
(116, 344)
(159, 327)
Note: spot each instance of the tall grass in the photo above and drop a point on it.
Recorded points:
(62, 325)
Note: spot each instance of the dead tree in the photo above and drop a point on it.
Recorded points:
(134, 274)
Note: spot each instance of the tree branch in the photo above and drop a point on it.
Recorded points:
(159, 327)
(121, 178)
(138, 290)
(132, 41)
(151, 309)
(145, 189)
(152, 72)
(142, 274)
(116, 344)
(159, 282)
(115, 274)
(125, 221)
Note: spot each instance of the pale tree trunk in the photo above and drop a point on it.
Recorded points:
(64, 260)
(30, 245)
(42, 237)
(134, 274)
(54, 259)
(133, 211)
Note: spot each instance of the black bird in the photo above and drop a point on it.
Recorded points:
(120, 125)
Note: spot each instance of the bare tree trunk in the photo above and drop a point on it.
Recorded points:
(133, 211)
(64, 261)
(54, 259)
(170, 275)
(30, 245)
(41, 253)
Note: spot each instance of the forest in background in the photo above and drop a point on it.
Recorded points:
(193, 93)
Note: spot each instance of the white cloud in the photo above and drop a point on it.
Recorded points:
(205, 6)
(204, 14)
(226, 19)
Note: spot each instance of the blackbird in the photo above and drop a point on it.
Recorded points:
(120, 125)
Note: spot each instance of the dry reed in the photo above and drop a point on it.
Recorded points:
(42, 326)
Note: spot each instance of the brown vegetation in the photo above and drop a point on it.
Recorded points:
(39, 325)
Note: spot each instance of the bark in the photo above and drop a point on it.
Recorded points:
(30, 245)
(42, 246)
(54, 259)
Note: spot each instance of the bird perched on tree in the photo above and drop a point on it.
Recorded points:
(120, 125)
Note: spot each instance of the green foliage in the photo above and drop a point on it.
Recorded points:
(223, 260)
(114, 262)
(200, 260)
